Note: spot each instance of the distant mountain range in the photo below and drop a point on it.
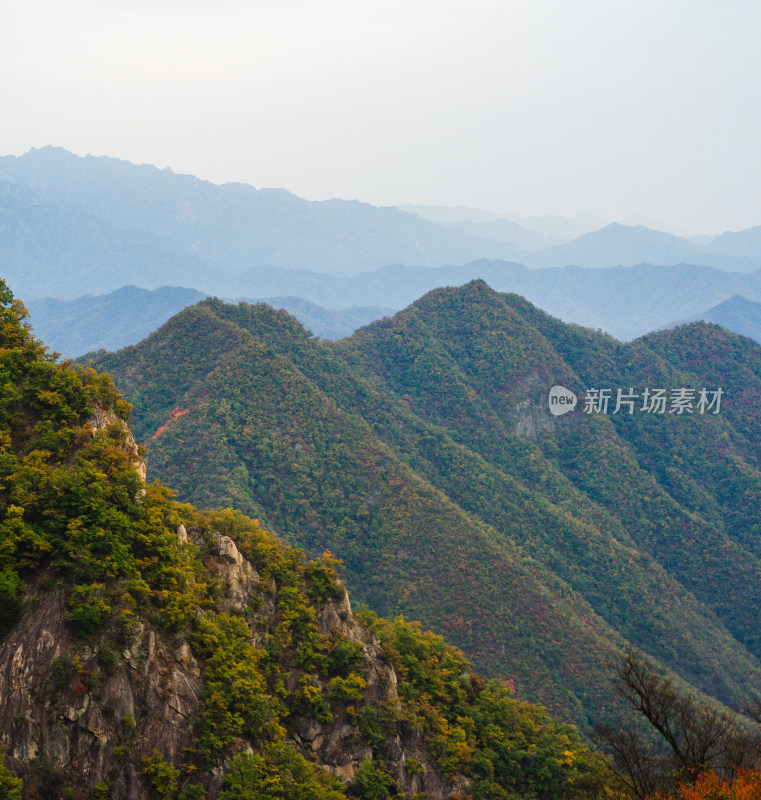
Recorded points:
(624, 301)
(625, 245)
(108, 322)
(550, 229)
(504, 230)
(120, 318)
(203, 230)
(738, 314)
(73, 225)
(588, 241)
(60, 250)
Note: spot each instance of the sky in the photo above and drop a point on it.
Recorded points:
(609, 107)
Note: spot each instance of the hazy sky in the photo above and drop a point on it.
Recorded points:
(614, 107)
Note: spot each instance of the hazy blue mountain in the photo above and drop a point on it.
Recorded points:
(738, 314)
(504, 230)
(552, 226)
(115, 320)
(447, 215)
(566, 228)
(625, 301)
(631, 301)
(109, 321)
(640, 219)
(588, 241)
(526, 233)
(235, 227)
(624, 245)
(484, 224)
(71, 226)
(57, 249)
(740, 244)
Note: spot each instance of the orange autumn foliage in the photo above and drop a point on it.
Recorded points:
(746, 786)
(176, 414)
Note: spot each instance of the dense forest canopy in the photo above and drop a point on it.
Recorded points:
(421, 449)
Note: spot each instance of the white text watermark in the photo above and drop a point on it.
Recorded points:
(679, 401)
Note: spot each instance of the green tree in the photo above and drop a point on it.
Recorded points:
(10, 785)
(279, 773)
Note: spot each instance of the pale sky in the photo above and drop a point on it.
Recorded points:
(614, 107)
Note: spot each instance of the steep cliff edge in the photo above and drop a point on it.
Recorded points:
(93, 713)
(273, 661)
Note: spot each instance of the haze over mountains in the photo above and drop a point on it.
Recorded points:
(738, 314)
(227, 229)
(72, 226)
(624, 301)
(588, 241)
(125, 316)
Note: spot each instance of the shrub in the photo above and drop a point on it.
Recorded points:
(10, 785)
(87, 610)
(372, 781)
(347, 690)
(279, 773)
(160, 774)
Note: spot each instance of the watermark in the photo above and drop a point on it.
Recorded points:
(679, 401)
(561, 400)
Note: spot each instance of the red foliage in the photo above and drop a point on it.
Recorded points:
(746, 786)
(176, 414)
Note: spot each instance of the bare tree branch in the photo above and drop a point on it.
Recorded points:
(697, 736)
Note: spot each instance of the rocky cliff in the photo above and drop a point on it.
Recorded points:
(94, 713)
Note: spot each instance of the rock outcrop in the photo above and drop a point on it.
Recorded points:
(103, 417)
(91, 712)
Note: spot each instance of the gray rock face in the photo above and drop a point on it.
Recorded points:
(51, 705)
(530, 415)
(237, 573)
(95, 713)
(104, 417)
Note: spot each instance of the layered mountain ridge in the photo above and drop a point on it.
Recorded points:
(193, 233)
(149, 651)
(422, 450)
(73, 227)
(127, 315)
(625, 301)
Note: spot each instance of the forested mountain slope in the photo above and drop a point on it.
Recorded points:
(149, 651)
(422, 450)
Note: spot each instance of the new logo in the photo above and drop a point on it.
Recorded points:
(561, 400)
